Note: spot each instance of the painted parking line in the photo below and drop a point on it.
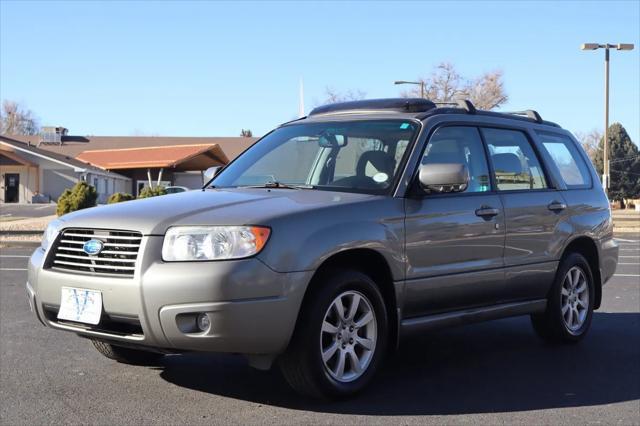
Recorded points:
(12, 255)
(626, 275)
(626, 241)
(628, 263)
(13, 269)
(629, 257)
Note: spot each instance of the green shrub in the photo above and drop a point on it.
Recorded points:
(119, 197)
(81, 196)
(147, 192)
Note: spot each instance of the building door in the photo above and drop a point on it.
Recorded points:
(11, 187)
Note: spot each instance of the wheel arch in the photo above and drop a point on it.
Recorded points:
(371, 263)
(588, 248)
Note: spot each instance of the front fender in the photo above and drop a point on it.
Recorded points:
(303, 242)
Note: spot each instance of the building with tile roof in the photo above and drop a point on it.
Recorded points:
(110, 163)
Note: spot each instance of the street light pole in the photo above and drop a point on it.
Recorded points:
(605, 157)
(421, 83)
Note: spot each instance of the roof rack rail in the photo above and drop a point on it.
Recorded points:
(529, 113)
(467, 105)
(464, 104)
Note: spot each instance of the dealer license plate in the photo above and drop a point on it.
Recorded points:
(80, 305)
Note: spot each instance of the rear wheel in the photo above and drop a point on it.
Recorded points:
(126, 355)
(340, 338)
(567, 317)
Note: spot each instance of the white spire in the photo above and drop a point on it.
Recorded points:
(301, 105)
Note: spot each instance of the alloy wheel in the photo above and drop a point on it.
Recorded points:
(575, 298)
(348, 337)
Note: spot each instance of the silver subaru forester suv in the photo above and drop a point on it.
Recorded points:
(334, 236)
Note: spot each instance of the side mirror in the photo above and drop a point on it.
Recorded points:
(444, 177)
(211, 172)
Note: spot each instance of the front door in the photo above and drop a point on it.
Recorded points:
(454, 241)
(11, 187)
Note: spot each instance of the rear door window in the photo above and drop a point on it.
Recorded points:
(567, 159)
(516, 166)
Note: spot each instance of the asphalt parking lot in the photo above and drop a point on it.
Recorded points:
(497, 372)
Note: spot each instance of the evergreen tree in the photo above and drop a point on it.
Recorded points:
(624, 164)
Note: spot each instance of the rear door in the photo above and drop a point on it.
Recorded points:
(454, 241)
(535, 213)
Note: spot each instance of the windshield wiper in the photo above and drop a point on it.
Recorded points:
(276, 184)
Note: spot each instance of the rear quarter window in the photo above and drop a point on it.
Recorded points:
(567, 158)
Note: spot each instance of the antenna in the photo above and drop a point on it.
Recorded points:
(301, 104)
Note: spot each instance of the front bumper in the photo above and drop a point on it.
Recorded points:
(252, 309)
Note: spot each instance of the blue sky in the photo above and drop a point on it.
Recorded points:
(211, 68)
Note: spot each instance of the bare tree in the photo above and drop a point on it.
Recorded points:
(445, 84)
(590, 142)
(246, 133)
(487, 91)
(332, 96)
(17, 120)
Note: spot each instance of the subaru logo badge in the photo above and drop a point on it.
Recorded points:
(93, 247)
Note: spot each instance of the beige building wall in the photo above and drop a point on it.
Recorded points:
(29, 181)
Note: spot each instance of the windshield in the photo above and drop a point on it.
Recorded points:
(357, 156)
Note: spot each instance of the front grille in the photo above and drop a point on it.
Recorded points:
(117, 258)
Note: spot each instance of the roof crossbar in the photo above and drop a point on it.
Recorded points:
(402, 105)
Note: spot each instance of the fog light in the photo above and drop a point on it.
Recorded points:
(203, 322)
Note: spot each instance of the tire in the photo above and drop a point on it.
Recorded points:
(572, 325)
(126, 355)
(361, 343)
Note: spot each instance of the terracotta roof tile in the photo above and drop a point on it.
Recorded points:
(179, 156)
(72, 146)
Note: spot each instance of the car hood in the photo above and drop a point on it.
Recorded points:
(230, 206)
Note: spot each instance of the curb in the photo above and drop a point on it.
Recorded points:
(626, 231)
(21, 232)
(19, 243)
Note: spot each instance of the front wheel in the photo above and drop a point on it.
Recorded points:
(126, 355)
(340, 338)
(567, 317)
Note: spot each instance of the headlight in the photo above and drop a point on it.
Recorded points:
(51, 233)
(213, 242)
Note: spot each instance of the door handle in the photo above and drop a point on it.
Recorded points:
(556, 206)
(487, 212)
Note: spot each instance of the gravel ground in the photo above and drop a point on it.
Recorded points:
(26, 224)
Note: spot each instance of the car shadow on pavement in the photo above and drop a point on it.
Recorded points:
(500, 366)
